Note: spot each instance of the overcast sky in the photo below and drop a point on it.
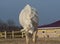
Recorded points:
(49, 10)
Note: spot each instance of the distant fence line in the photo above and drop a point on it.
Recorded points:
(12, 34)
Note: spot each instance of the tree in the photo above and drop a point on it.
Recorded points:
(3, 25)
(1, 22)
(11, 22)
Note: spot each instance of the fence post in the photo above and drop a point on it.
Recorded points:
(22, 35)
(5, 35)
(12, 34)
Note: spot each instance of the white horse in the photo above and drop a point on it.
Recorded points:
(28, 19)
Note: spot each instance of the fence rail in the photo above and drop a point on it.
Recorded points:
(12, 34)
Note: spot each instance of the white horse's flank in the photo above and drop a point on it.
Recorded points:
(29, 21)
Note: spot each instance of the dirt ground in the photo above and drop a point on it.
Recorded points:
(22, 41)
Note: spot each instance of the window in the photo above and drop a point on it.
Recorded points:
(43, 31)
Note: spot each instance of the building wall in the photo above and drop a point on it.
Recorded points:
(48, 33)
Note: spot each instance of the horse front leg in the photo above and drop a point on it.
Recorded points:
(27, 38)
(34, 37)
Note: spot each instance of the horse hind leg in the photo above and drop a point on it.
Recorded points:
(34, 37)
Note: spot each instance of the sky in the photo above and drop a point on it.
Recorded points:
(48, 10)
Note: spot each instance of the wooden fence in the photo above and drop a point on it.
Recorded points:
(12, 34)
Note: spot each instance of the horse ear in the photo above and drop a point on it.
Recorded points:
(28, 7)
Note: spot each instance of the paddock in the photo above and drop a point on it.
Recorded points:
(22, 41)
(47, 32)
